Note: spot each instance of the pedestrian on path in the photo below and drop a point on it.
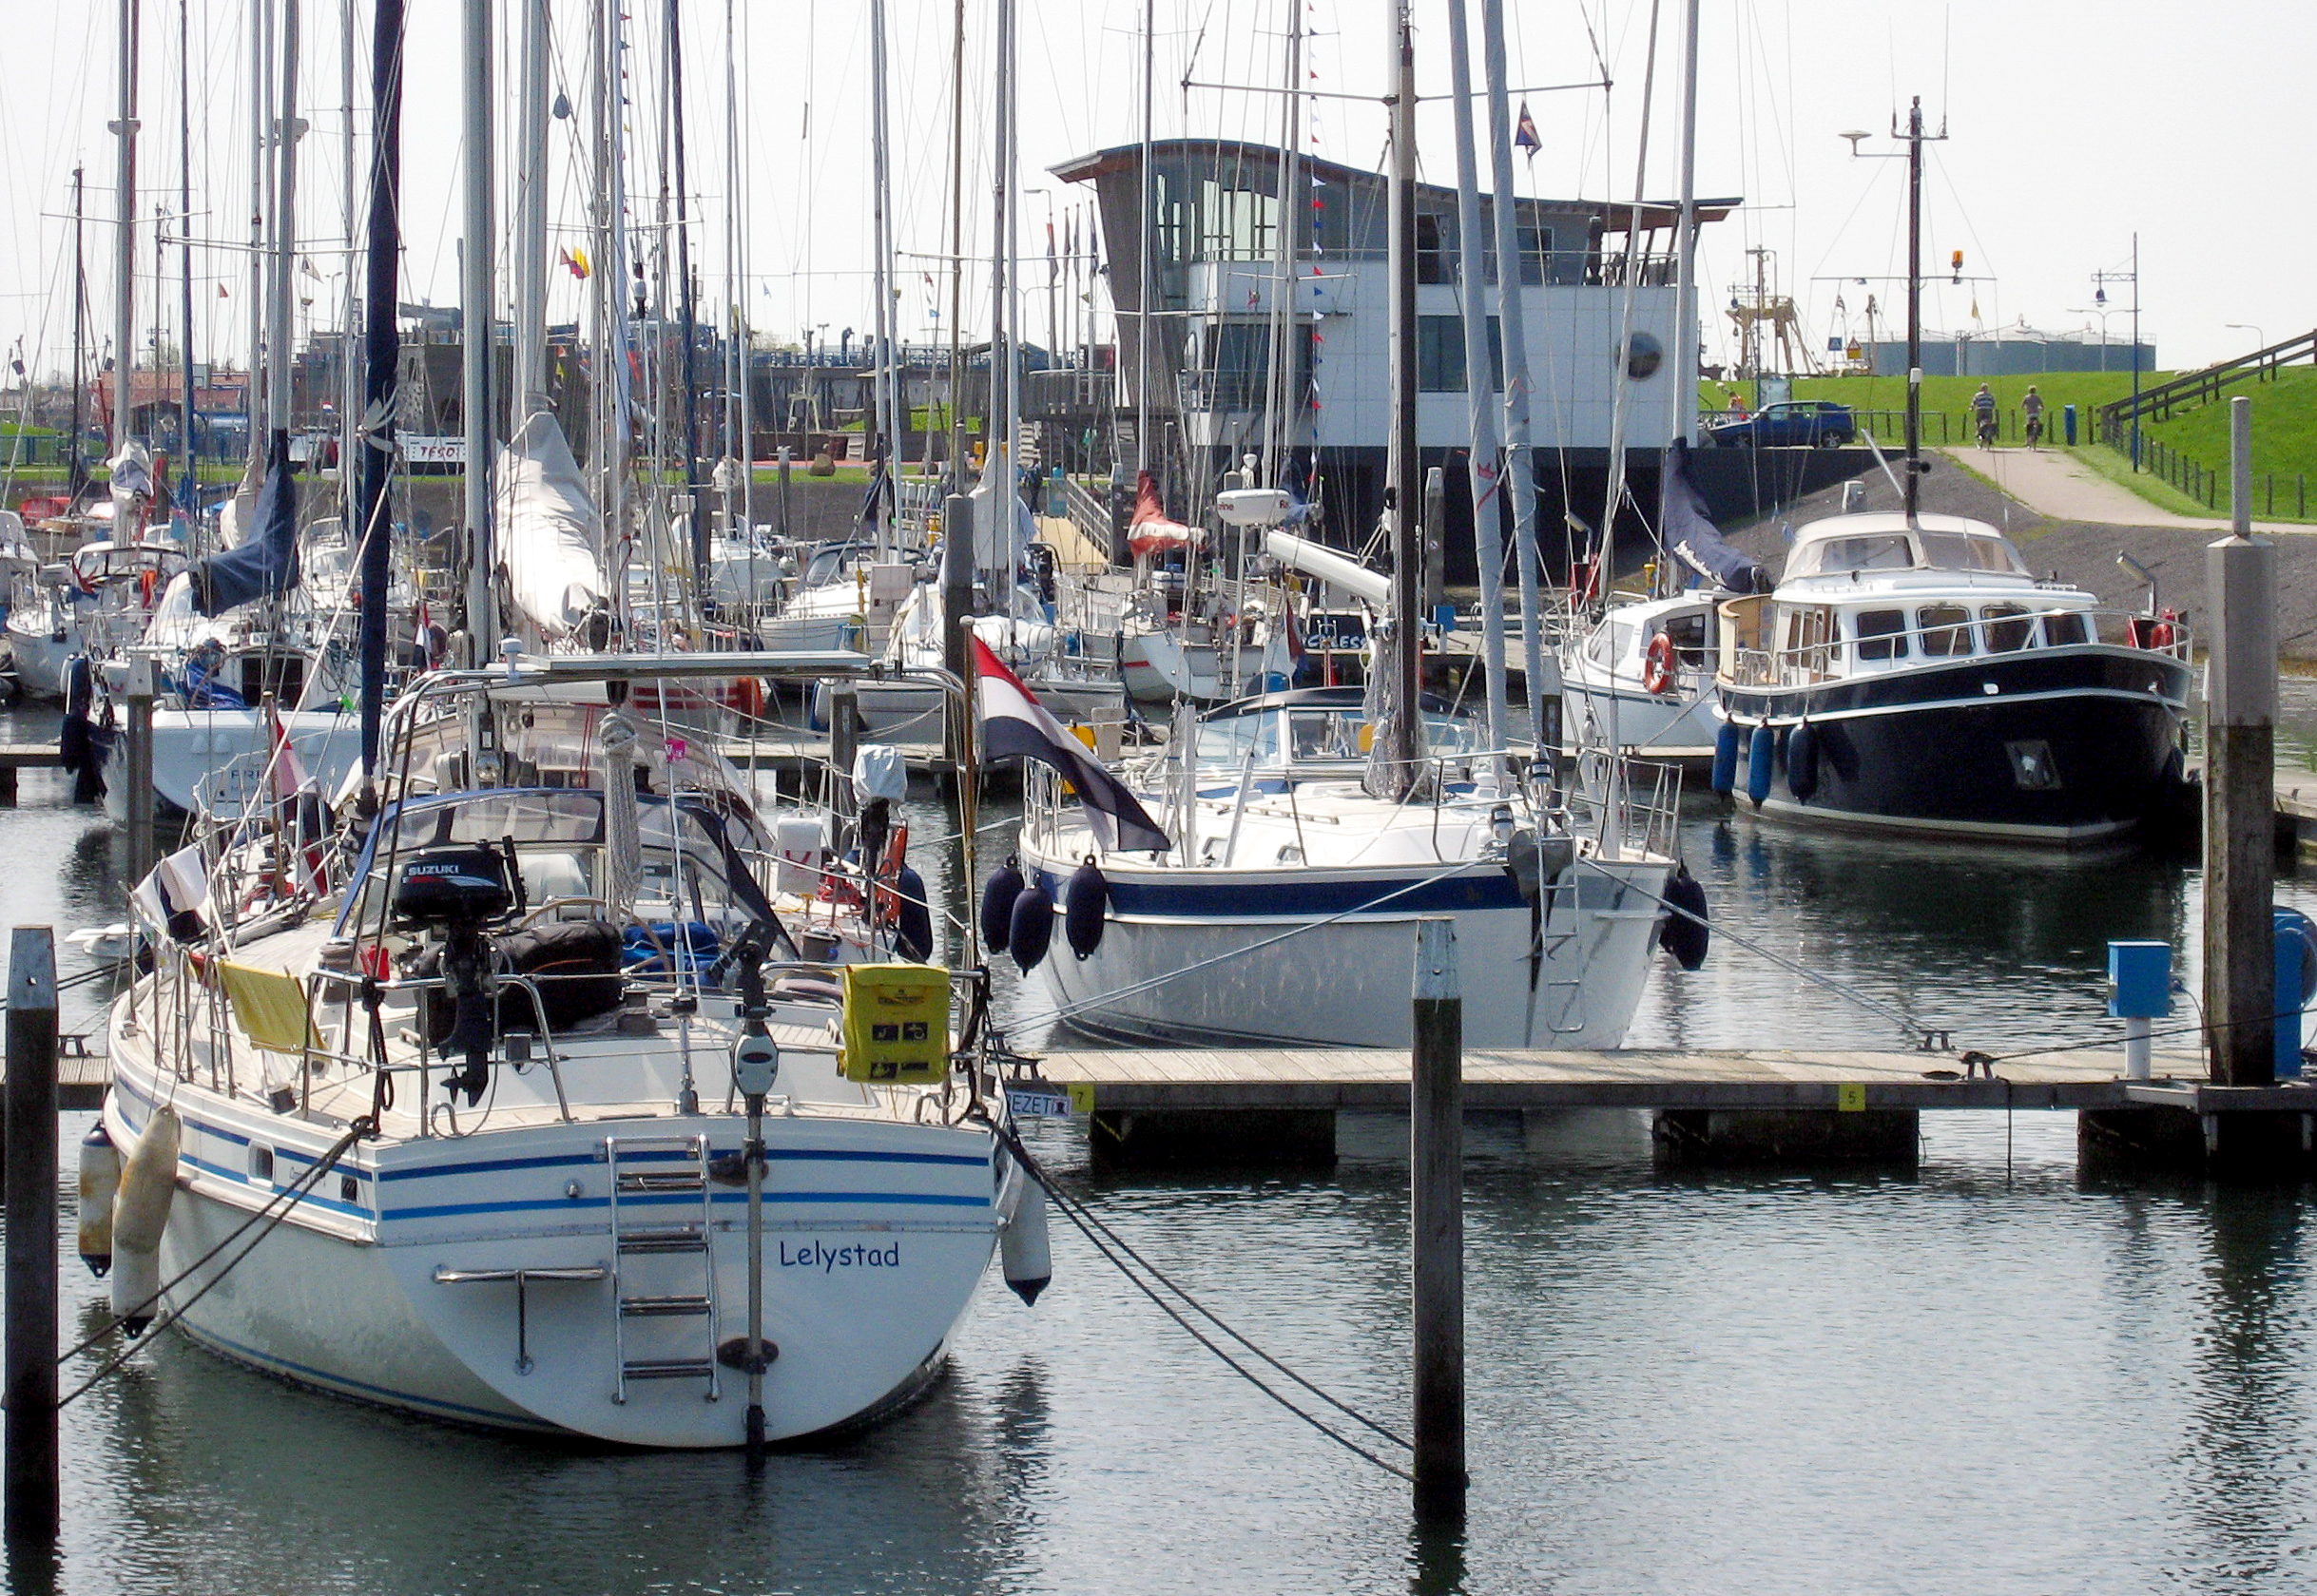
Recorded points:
(2031, 408)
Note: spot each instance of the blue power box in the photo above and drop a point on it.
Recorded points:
(2139, 980)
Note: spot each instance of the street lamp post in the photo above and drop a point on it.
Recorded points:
(2100, 297)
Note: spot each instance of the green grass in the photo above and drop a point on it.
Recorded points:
(2284, 427)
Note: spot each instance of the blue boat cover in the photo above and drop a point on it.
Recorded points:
(264, 565)
(1686, 528)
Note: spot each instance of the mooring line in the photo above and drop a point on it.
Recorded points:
(1102, 1239)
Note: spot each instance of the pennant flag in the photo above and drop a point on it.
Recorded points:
(1015, 724)
(1524, 136)
(577, 260)
(221, 292)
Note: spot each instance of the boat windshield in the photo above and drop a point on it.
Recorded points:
(1875, 551)
(1966, 551)
(1329, 734)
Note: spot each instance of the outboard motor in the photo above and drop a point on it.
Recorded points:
(455, 893)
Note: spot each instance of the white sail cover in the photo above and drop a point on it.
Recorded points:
(549, 531)
(1002, 523)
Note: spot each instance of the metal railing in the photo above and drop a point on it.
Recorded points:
(1816, 662)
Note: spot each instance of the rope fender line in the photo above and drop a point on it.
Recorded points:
(1104, 1240)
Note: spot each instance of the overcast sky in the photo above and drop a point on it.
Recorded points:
(2045, 178)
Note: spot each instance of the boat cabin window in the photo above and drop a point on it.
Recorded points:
(1689, 634)
(1946, 628)
(2009, 627)
(1810, 634)
(2062, 627)
(1881, 633)
(1962, 551)
(1885, 551)
(1324, 734)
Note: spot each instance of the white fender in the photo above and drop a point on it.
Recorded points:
(1022, 1243)
(141, 1212)
(100, 1181)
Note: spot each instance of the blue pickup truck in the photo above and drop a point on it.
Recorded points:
(1790, 424)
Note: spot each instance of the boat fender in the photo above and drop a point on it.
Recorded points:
(140, 1214)
(1685, 938)
(913, 922)
(1021, 1245)
(1801, 761)
(1725, 759)
(1030, 931)
(1761, 763)
(1087, 900)
(997, 896)
(1658, 665)
(100, 1182)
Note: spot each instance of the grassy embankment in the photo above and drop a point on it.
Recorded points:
(2283, 429)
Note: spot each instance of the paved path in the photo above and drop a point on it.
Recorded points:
(2055, 484)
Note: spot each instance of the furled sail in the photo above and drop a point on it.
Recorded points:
(1688, 530)
(548, 534)
(264, 565)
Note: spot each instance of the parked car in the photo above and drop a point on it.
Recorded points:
(1791, 424)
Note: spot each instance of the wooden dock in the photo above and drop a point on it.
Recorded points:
(23, 755)
(80, 1078)
(1191, 1104)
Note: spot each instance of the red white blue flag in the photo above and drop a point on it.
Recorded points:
(1016, 726)
(1524, 136)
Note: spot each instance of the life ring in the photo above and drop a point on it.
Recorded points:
(2161, 633)
(745, 697)
(1658, 665)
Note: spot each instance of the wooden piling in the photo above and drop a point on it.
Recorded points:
(30, 1495)
(2240, 757)
(139, 798)
(1436, 1177)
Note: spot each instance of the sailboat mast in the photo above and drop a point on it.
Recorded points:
(1144, 246)
(1479, 377)
(475, 333)
(612, 344)
(282, 350)
(1280, 392)
(383, 360)
(350, 335)
(1685, 287)
(1404, 468)
(190, 491)
(684, 297)
(76, 471)
(955, 475)
(743, 419)
(887, 449)
(527, 390)
(261, 202)
(125, 257)
(1912, 481)
(1519, 475)
(998, 468)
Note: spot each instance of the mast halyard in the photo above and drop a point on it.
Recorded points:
(125, 256)
(282, 336)
(1398, 745)
(475, 336)
(1912, 484)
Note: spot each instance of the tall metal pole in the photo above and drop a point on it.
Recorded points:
(1145, 245)
(1913, 483)
(76, 468)
(1684, 296)
(382, 350)
(1519, 477)
(476, 324)
(954, 475)
(1480, 377)
(185, 210)
(686, 297)
(260, 205)
(744, 365)
(2240, 996)
(282, 351)
(125, 254)
(350, 338)
(2136, 350)
(612, 348)
(1403, 468)
(527, 384)
(888, 449)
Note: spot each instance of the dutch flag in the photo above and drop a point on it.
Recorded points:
(1015, 724)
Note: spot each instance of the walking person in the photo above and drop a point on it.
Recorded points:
(1983, 413)
(2031, 408)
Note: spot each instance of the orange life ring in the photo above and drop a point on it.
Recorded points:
(887, 908)
(1658, 665)
(746, 697)
(2161, 634)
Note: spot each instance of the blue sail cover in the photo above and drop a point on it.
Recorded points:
(1686, 530)
(263, 565)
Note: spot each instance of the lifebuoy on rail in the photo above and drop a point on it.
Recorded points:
(1658, 665)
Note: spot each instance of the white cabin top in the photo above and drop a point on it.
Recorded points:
(1883, 544)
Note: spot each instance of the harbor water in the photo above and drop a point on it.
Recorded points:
(1992, 1375)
